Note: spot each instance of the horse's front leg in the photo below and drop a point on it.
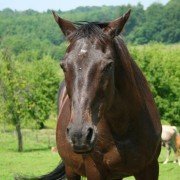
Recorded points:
(177, 156)
(71, 175)
(151, 172)
(96, 176)
(175, 152)
(168, 152)
(92, 170)
(93, 173)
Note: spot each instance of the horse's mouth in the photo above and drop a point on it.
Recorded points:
(82, 149)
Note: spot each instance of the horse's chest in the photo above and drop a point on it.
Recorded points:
(116, 163)
(124, 161)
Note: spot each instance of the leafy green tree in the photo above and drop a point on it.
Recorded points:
(44, 79)
(13, 94)
(27, 90)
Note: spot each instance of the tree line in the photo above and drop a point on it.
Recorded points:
(29, 34)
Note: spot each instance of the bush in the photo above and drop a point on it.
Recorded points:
(160, 64)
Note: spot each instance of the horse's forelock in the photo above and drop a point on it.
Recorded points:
(90, 30)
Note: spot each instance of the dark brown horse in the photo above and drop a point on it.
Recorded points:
(108, 125)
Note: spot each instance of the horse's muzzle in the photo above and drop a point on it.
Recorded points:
(81, 138)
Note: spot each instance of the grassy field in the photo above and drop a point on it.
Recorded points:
(37, 158)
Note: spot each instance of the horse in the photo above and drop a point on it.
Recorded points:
(177, 144)
(108, 124)
(169, 139)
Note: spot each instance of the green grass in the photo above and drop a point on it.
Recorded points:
(37, 158)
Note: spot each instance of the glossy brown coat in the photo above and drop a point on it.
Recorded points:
(105, 90)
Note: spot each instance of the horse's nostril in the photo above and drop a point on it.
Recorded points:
(89, 134)
(67, 131)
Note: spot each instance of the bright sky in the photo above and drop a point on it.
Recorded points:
(43, 5)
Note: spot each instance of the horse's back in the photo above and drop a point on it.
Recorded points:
(168, 132)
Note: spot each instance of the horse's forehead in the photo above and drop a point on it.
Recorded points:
(85, 49)
(84, 45)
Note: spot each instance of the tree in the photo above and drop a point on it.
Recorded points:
(13, 94)
(28, 91)
(44, 79)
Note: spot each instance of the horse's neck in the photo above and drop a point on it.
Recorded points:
(123, 112)
(128, 102)
(129, 113)
(133, 107)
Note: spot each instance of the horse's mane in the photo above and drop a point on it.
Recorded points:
(134, 83)
(129, 69)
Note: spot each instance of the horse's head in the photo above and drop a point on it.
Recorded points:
(88, 67)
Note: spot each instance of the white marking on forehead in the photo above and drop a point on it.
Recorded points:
(83, 51)
(84, 48)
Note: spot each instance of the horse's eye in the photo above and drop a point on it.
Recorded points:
(62, 65)
(108, 67)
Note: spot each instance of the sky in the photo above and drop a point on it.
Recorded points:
(64, 5)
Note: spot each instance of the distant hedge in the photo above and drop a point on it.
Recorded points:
(161, 66)
(37, 33)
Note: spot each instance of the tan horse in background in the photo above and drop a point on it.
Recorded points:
(178, 148)
(170, 139)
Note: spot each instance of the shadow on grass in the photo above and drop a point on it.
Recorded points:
(169, 162)
(32, 150)
(37, 149)
(169, 170)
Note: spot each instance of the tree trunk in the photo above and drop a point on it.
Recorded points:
(19, 136)
(4, 127)
(41, 125)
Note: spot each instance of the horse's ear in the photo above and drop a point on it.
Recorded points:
(115, 27)
(66, 26)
